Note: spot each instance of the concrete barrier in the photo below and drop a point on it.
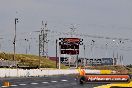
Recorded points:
(93, 71)
(39, 72)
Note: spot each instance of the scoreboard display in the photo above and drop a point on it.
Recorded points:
(71, 52)
(70, 45)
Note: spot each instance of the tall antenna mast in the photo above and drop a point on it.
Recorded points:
(43, 40)
(46, 41)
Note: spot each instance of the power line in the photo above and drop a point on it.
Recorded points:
(91, 36)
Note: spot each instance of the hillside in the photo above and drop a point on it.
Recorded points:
(30, 60)
(33, 61)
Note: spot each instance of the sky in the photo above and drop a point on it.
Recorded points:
(107, 18)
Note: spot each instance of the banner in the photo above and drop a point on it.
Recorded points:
(107, 78)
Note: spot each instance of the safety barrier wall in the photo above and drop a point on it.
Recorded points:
(39, 72)
(93, 71)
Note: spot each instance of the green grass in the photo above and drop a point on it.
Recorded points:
(31, 60)
(130, 70)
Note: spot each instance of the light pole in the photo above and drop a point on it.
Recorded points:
(84, 60)
(93, 42)
(26, 40)
(114, 59)
(106, 46)
(14, 42)
(118, 57)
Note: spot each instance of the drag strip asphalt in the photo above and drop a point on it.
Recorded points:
(64, 81)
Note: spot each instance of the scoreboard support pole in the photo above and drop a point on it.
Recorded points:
(77, 61)
(59, 57)
(56, 54)
(69, 61)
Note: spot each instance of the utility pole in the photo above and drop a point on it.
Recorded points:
(59, 57)
(0, 44)
(39, 51)
(14, 42)
(56, 53)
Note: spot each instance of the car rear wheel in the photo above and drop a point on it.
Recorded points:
(82, 80)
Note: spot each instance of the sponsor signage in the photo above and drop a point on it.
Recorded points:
(93, 61)
(68, 61)
(107, 61)
(101, 61)
(72, 40)
(107, 78)
(64, 60)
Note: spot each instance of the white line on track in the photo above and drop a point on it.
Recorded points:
(45, 82)
(22, 84)
(34, 83)
(54, 81)
(4, 86)
(14, 85)
(64, 80)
